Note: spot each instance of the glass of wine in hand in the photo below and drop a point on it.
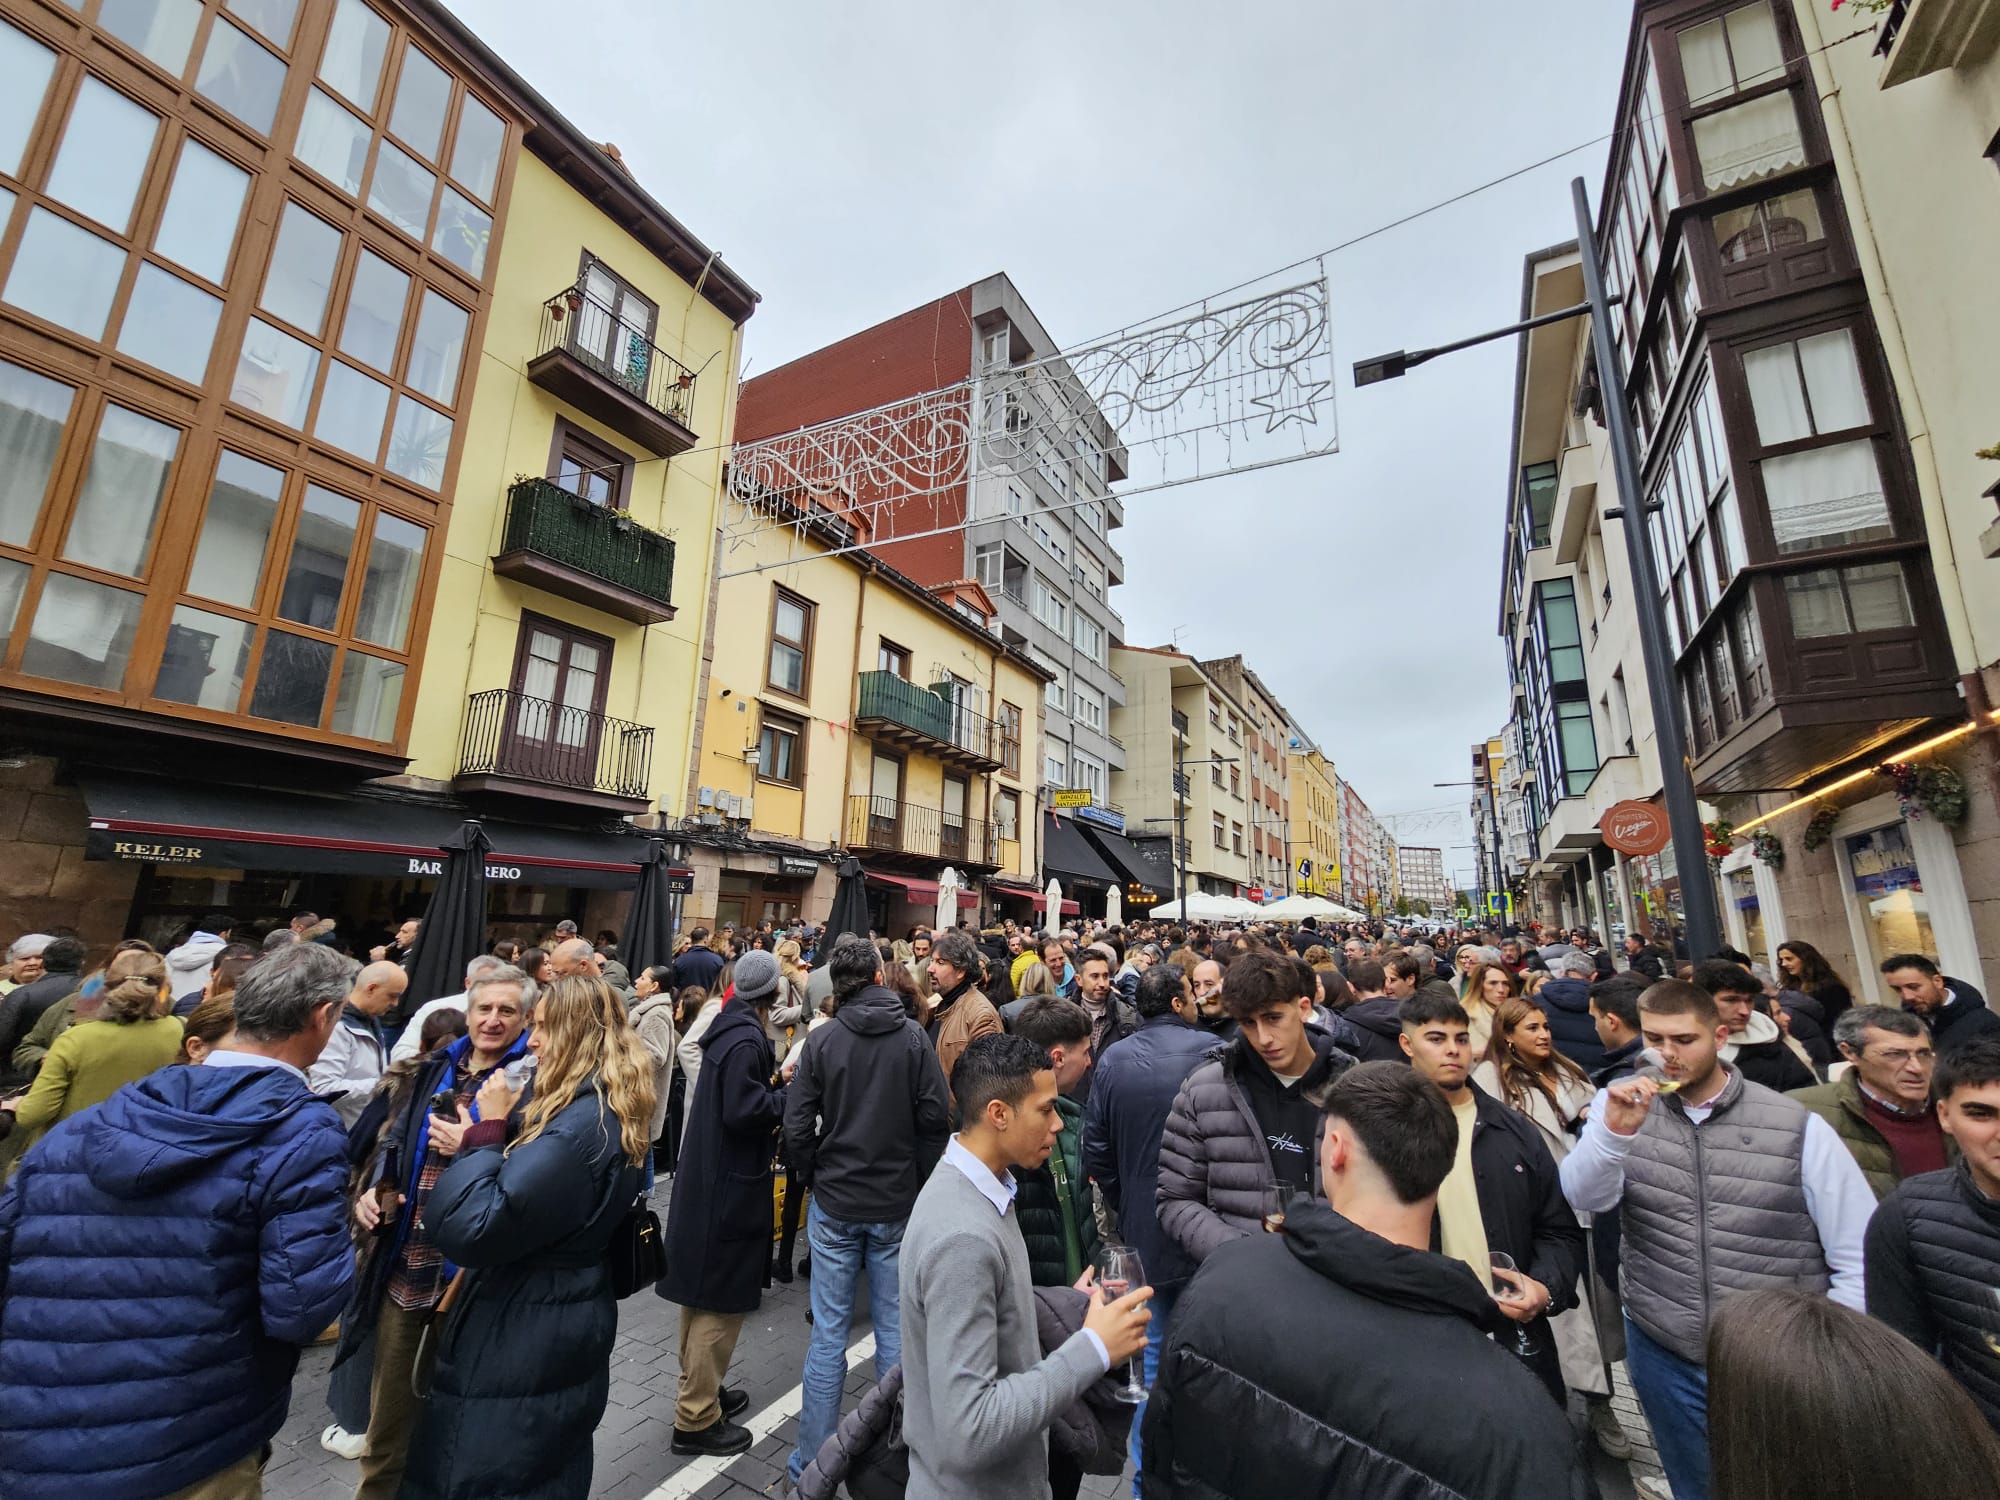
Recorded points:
(1276, 1195)
(1507, 1291)
(1119, 1270)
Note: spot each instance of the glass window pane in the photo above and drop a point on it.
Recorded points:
(371, 690)
(1826, 497)
(301, 273)
(275, 374)
(205, 659)
(1878, 597)
(240, 76)
(1776, 395)
(1729, 535)
(102, 160)
(13, 584)
(389, 585)
(1749, 142)
(1817, 606)
(1753, 45)
(463, 233)
(352, 410)
(292, 678)
(82, 632)
(162, 30)
(199, 225)
(272, 17)
(401, 191)
(242, 507)
(418, 443)
(170, 324)
(317, 571)
(112, 527)
(1833, 381)
(439, 349)
(355, 47)
(333, 143)
(65, 274)
(33, 409)
(423, 92)
(374, 312)
(475, 157)
(1705, 62)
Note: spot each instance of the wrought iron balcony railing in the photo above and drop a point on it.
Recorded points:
(563, 543)
(925, 719)
(885, 826)
(532, 746)
(596, 360)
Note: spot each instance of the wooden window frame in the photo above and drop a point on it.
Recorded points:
(792, 724)
(805, 646)
(1006, 831)
(885, 647)
(587, 258)
(531, 622)
(1010, 746)
(568, 435)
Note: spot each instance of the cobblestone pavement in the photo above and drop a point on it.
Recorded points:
(634, 1458)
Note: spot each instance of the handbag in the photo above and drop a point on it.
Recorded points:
(637, 1254)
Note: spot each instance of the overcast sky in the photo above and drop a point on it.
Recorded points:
(1119, 157)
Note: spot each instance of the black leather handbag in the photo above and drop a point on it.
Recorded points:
(637, 1254)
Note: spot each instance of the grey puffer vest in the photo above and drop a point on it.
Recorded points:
(1714, 1209)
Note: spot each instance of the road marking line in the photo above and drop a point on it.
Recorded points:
(697, 1472)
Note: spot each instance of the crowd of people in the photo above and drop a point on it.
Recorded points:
(1254, 1211)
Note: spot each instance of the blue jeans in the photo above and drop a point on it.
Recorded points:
(842, 1252)
(1156, 1338)
(1674, 1395)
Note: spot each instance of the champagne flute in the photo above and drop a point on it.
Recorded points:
(1524, 1341)
(1275, 1196)
(1119, 1270)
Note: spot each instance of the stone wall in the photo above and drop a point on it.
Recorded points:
(45, 882)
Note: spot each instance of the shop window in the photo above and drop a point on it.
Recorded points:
(780, 749)
(791, 643)
(1888, 893)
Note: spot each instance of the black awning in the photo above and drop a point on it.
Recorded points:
(139, 818)
(1069, 856)
(1139, 870)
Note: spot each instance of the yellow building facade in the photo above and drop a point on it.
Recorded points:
(845, 708)
(1313, 828)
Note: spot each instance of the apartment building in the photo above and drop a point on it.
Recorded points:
(1421, 879)
(1263, 764)
(1366, 876)
(249, 259)
(1313, 822)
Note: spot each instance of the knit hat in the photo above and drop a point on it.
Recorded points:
(756, 975)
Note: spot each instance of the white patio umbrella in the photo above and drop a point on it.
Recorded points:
(1202, 907)
(1114, 907)
(947, 904)
(1053, 895)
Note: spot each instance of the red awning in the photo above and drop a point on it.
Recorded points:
(1069, 907)
(968, 899)
(916, 890)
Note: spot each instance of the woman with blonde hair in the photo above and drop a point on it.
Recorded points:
(118, 1036)
(1487, 988)
(1036, 979)
(529, 1207)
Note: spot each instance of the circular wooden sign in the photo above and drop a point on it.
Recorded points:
(1635, 828)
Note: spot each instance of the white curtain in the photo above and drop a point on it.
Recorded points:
(1705, 62)
(32, 413)
(1833, 381)
(113, 525)
(1775, 393)
(1816, 604)
(1878, 597)
(1752, 140)
(1825, 496)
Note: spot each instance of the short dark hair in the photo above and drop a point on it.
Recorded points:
(955, 948)
(1427, 1009)
(64, 955)
(1404, 966)
(852, 966)
(1051, 1021)
(1618, 996)
(698, 935)
(1365, 974)
(1308, 980)
(1970, 1065)
(1159, 987)
(1258, 979)
(218, 922)
(999, 1066)
(1916, 961)
(1093, 955)
(1676, 997)
(1403, 1122)
(1720, 977)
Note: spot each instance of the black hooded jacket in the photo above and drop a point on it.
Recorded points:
(1253, 1400)
(867, 1115)
(1378, 1021)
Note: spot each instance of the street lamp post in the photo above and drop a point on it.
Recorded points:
(1181, 763)
(1698, 891)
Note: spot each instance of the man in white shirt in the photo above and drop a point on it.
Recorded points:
(1727, 1187)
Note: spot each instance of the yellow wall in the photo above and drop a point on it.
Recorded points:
(476, 621)
(1314, 822)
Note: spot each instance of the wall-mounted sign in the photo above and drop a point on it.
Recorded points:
(678, 883)
(793, 864)
(1635, 828)
(1071, 799)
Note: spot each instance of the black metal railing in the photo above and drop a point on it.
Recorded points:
(1892, 27)
(929, 713)
(594, 334)
(509, 734)
(546, 519)
(1180, 724)
(887, 826)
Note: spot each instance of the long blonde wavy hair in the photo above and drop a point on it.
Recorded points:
(584, 1033)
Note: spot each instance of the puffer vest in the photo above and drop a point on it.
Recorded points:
(1954, 1235)
(1715, 1209)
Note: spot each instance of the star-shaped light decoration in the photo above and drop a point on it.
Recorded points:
(1291, 400)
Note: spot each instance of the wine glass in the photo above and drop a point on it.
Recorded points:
(1275, 1196)
(1119, 1270)
(1524, 1341)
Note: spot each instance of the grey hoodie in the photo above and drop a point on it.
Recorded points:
(189, 965)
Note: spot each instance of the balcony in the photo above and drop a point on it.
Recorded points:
(882, 825)
(1919, 37)
(564, 545)
(921, 719)
(1180, 725)
(529, 747)
(610, 370)
(1576, 497)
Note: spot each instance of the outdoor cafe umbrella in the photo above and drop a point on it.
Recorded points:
(454, 924)
(649, 921)
(850, 904)
(947, 901)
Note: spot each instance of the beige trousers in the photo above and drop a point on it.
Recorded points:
(242, 1480)
(708, 1343)
(392, 1406)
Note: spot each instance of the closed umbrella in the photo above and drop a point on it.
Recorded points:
(1054, 898)
(947, 903)
(1114, 908)
(454, 925)
(649, 921)
(850, 904)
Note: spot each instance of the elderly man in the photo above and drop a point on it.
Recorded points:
(960, 1012)
(24, 961)
(408, 1044)
(575, 956)
(1881, 1107)
(357, 1054)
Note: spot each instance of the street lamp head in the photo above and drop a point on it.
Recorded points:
(1383, 367)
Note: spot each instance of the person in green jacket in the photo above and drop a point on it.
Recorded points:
(1881, 1106)
(125, 1039)
(1054, 1207)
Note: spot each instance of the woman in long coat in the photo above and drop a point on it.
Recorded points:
(523, 1368)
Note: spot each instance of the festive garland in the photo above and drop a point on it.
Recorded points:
(1934, 789)
(1819, 830)
(1768, 847)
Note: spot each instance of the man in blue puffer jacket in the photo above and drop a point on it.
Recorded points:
(164, 1255)
(1565, 1000)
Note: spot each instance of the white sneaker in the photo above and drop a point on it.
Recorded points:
(338, 1441)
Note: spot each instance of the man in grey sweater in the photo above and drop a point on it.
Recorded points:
(978, 1396)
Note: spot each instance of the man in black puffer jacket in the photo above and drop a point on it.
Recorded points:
(1344, 1350)
(1376, 1016)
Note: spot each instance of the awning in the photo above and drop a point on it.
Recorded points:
(141, 819)
(920, 890)
(1145, 877)
(1000, 885)
(1068, 855)
(1069, 907)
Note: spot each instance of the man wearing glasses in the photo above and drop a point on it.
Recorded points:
(1881, 1107)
